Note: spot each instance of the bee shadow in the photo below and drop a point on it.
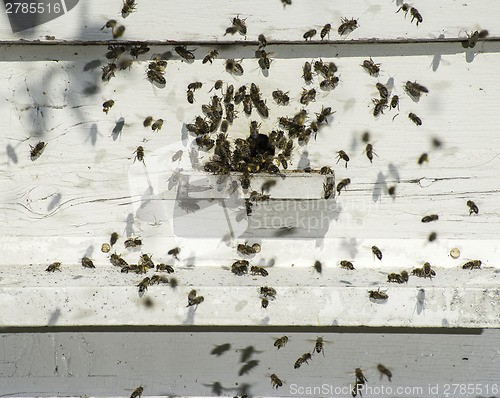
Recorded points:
(377, 189)
(11, 153)
(54, 202)
(117, 130)
(245, 369)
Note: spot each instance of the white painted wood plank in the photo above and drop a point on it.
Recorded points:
(160, 20)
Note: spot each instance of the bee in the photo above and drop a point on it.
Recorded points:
(157, 279)
(343, 184)
(264, 60)
(36, 150)
(415, 119)
(139, 50)
(428, 271)
(54, 267)
(307, 96)
(384, 93)
(376, 251)
(264, 304)
(304, 358)
(233, 66)
(365, 137)
(139, 154)
(108, 72)
(382, 369)
(377, 295)
(394, 102)
(280, 97)
(165, 267)
(307, 72)
(347, 265)
(342, 155)
(154, 75)
(416, 15)
(210, 56)
(240, 94)
(113, 239)
(117, 261)
(371, 67)
(326, 170)
(275, 380)
(404, 276)
(267, 291)
(143, 285)
(147, 122)
(87, 263)
(245, 180)
(323, 115)
(394, 278)
(240, 267)
(474, 38)
(347, 25)
(137, 392)
(146, 261)
(474, 264)
(177, 155)
(405, 7)
(286, 2)
(279, 343)
(423, 158)
(110, 24)
(309, 34)
(262, 41)
(257, 197)
(133, 242)
(118, 32)
(318, 267)
(107, 105)
(128, 6)
(329, 82)
(472, 207)
(369, 152)
(174, 252)
(247, 249)
(114, 52)
(432, 237)
(318, 346)
(380, 104)
(254, 270)
(262, 108)
(414, 89)
(190, 96)
(432, 217)
(392, 191)
(328, 188)
(184, 53)
(247, 104)
(193, 299)
(325, 31)
(228, 95)
(240, 24)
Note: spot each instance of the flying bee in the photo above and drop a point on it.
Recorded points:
(174, 252)
(267, 291)
(304, 358)
(307, 96)
(210, 56)
(347, 265)
(139, 50)
(380, 104)
(328, 188)
(329, 82)
(275, 380)
(416, 15)
(139, 154)
(113, 239)
(326, 170)
(165, 267)
(118, 32)
(365, 137)
(394, 102)
(154, 75)
(264, 304)
(342, 155)
(377, 295)
(195, 301)
(231, 30)
(309, 34)
(343, 184)
(474, 264)
(87, 263)
(307, 72)
(369, 152)
(405, 7)
(280, 97)
(432, 217)
(376, 251)
(190, 96)
(110, 24)
(133, 242)
(54, 267)
(383, 370)
(107, 105)
(415, 119)
(432, 237)
(325, 31)
(392, 191)
(128, 6)
(318, 346)
(143, 285)
(384, 93)
(264, 60)
(240, 24)
(423, 158)
(262, 41)
(286, 3)
(247, 104)
(254, 270)
(137, 392)
(371, 67)
(318, 267)
(194, 86)
(108, 72)
(414, 89)
(117, 261)
(233, 66)
(36, 150)
(183, 52)
(472, 207)
(157, 279)
(114, 52)
(347, 26)
(279, 343)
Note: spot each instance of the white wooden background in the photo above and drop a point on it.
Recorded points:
(85, 185)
